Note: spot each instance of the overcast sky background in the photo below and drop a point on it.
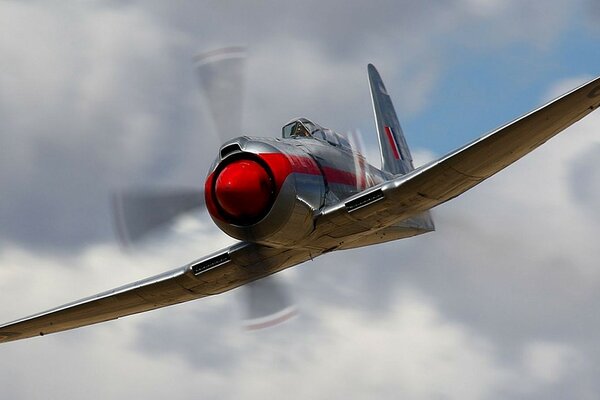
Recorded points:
(500, 302)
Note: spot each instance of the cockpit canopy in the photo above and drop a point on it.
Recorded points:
(302, 127)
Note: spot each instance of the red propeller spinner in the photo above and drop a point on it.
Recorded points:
(243, 191)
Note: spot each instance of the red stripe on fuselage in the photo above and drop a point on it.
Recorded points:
(392, 140)
(334, 175)
(283, 164)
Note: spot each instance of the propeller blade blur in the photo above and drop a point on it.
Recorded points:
(267, 303)
(220, 72)
(357, 144)
(221, 76)
(140, 212)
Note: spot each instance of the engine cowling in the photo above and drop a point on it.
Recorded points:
(265, 192)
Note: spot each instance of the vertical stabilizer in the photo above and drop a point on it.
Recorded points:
(395, 155)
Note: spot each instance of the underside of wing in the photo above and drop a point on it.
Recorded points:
(232, 267)
(437, 182)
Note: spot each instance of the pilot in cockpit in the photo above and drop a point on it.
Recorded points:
(300, 130)
(296, 129)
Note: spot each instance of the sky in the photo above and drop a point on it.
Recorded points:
(500, 302)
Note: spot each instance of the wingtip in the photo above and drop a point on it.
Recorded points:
(373, 73)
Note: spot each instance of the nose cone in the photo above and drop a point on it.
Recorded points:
(244, 190)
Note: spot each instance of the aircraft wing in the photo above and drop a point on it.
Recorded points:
(229, 268)
(455, 173)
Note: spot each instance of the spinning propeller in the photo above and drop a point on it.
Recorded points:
(137, 213)
(357, 144)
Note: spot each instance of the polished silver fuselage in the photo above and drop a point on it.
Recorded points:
(318, 174)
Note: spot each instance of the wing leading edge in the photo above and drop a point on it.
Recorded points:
(231, 267)
(457, 172)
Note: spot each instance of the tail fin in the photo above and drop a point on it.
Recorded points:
(395, 155)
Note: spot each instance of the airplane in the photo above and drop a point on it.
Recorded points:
(291, 199)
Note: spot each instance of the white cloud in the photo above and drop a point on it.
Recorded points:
(412, 350)
(565, 86)
(512, 262)
(416, 351)
(549, 362)
(485, 8)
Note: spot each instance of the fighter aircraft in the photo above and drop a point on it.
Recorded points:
(309, 192)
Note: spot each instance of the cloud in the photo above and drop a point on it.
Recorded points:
(500, 302)
(431, 355)
(549, 362)
(97, 96)
(390, 328)
(565, 86)
(81, 110)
